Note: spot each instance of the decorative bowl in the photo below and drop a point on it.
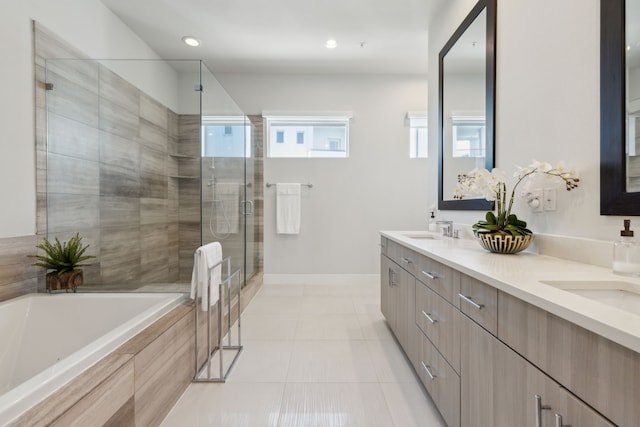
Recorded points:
(504, 244)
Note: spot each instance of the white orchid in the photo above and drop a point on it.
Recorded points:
(493, 187)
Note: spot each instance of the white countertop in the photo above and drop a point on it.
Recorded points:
(521, 275)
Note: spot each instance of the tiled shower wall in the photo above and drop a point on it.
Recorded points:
(110, 173)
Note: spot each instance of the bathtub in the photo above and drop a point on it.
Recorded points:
(47, 340)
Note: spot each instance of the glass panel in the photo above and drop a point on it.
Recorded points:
(228, 170)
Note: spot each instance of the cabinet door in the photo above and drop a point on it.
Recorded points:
(388, 293)
(404, 283)
(492, 381)
(500, 388)
(551, 405)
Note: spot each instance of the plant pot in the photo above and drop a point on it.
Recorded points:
(504, 244)
(71, 280)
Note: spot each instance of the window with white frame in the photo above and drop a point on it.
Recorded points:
(226, 136)
(469, 136)
(418, 142)
(308, 136)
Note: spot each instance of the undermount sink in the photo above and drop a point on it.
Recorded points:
(622, 295)
(421, 236)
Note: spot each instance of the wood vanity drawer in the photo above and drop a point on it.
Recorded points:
(440, 322)
(600, 372)
(439, 278)
(479, 301)
(404, 257)
(441, 381)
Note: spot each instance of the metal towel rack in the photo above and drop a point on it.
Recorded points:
(269, 185)
(203, 372)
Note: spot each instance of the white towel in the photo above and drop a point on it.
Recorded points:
(288, 208)
(227, 207)
(206, 257)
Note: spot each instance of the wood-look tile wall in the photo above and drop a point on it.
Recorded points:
(17, 275)
(108, 170)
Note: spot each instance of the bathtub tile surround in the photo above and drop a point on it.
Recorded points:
(109, 169)
(17, 275)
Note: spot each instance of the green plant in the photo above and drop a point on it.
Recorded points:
(62, 257)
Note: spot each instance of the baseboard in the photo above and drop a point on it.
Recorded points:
(321, 279)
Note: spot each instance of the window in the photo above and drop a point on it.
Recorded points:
(226, 136)
(418, 143)
(469, 136)
(307, 136)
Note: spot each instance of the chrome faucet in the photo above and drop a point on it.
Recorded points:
(447, 228)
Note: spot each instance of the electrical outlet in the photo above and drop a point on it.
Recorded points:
(535, 201)
(550, 199)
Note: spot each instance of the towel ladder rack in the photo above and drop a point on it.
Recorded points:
(203, 371)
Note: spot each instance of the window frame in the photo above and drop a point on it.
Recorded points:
(341, 119)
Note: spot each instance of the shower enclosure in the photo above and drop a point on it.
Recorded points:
(147, 160)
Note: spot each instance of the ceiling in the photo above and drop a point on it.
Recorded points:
(287, 36)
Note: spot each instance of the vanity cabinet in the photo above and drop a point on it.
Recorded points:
(500, 388)
(490, 359)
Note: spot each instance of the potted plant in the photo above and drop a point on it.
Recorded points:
(63, 261)
(502, 231)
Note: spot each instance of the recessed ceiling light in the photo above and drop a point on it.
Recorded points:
(331, 44)
(191, 41)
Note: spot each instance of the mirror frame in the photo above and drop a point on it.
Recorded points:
(614, 198)
(490, 6)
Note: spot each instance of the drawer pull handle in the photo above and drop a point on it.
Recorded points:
(559, 421)
(539, 408)
(426, 368)
(429, 275)
(407, 260)
(470, 301)
(429, 317)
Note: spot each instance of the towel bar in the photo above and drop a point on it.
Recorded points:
(269, 185)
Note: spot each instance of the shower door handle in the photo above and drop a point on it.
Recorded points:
(244, 207)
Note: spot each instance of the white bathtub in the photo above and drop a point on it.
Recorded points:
(46, 340)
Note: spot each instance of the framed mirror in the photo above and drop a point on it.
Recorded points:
(620, 107)
(466, 104)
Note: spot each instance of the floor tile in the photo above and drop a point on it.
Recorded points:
(228, 405)
(262, 361)
(318, 355)
(328, 405)
(375, 327)
(274, 305)
(390, 362)
(269, 326)
(410, 406)
(329, 327)
(331, 361)
(327, 305)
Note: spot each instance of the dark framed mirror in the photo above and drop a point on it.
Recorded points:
(466, 104)
(620, 107)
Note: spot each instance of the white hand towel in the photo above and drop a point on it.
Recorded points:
(227, 207)
(206, 257)
(288, 208)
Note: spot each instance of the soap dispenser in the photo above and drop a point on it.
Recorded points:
(433, 225)
(626, 253)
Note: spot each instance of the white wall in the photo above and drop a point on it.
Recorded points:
(378, 187)
(92, 28)
(548, 94)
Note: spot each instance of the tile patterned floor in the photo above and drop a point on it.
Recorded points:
(313, 356)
